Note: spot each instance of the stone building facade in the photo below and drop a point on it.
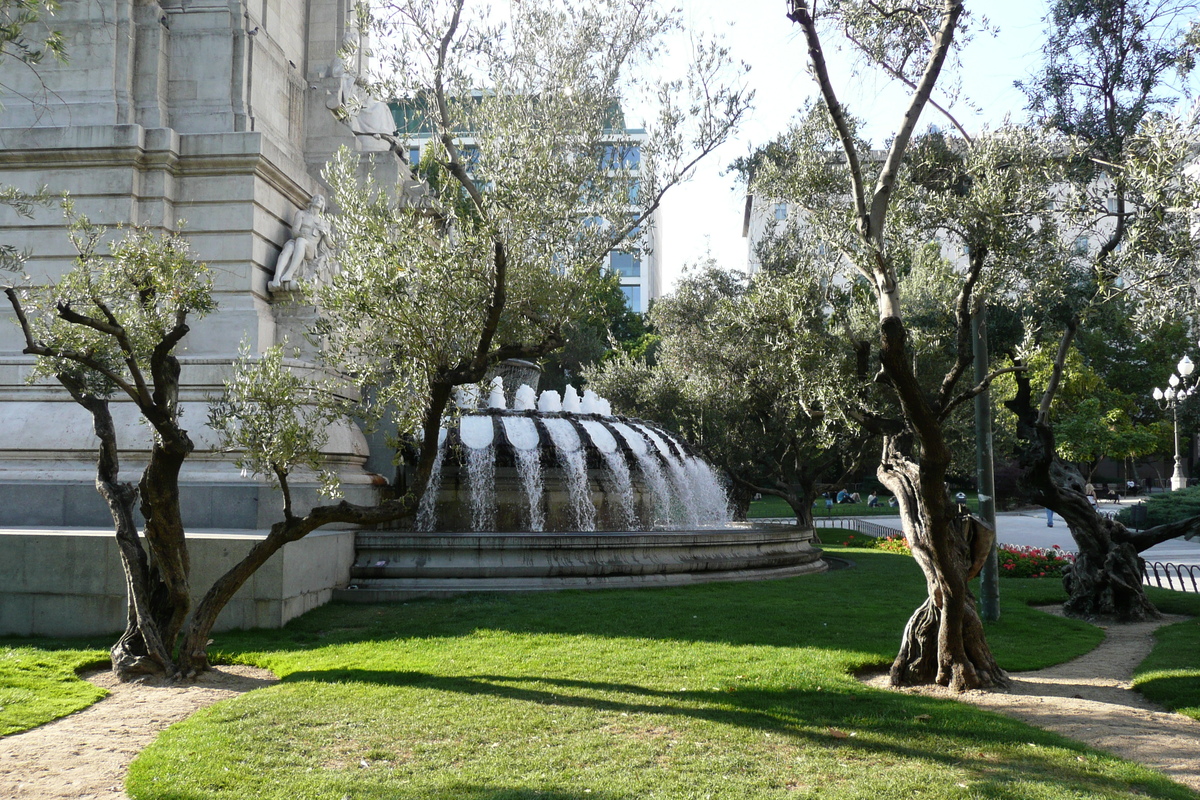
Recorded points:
(213, 116)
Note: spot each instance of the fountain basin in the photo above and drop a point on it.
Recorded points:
(399, 565)
(567, 495)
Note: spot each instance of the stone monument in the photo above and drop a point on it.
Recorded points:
(212, 115)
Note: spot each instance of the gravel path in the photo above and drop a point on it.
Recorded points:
(86, 755)
(1090, 700)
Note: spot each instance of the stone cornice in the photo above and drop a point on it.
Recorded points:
(182, 155)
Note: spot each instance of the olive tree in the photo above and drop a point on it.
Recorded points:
(1129, 201)
(925, 221)
(109, 329)
(109, 326)
(530, 189)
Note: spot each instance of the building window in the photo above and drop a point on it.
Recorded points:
(633, 297)
(1082, 245)
(414, 156)
(1112, 205)
(780, 211)
(627, 265)
(622, 156)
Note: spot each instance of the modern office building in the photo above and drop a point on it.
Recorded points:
(638, 264)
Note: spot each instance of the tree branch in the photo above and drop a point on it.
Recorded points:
(978, 389)
(800, 14)
(900, 76)
(964, 310)
(952, 10)
(1060, 360)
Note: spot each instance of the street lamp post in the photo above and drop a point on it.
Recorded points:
(1175, 393)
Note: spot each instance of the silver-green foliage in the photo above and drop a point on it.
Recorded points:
(999, 215)
(525, 109)
(272, 418)
(23, 35)
(108, 317)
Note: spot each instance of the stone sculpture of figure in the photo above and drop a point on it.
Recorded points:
(368, 117)
(306, 254)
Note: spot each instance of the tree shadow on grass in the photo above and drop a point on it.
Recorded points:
(1180, 693)
(999, 751)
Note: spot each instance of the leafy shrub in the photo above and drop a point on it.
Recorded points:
(1167, 507)
(894, 544)
(845, 538)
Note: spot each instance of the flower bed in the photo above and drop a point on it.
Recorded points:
(1016, 561)
(1022, 561)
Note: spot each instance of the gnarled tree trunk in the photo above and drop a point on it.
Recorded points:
(1106, 578)
(142, 648)
(943, 641)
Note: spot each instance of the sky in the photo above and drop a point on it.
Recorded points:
(705, 215)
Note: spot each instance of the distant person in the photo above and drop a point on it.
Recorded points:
(873, 500)
(855, 497)
(828, 502)
(1090, 491)
(893, 502)
(843, 496)
(1049, 518)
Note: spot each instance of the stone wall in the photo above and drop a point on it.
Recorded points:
(56, 583)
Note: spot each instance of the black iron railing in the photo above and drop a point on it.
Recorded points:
(1180, 577)
(858, 526)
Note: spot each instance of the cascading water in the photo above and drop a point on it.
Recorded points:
(558, 493)
(568, 465)
(476, 434)
(571, 459)
(680, 481)
(427, 508)
(618, 471)
(651, 471)
(523, 436)
(712, 502)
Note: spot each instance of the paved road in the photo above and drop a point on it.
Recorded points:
(1029, 528)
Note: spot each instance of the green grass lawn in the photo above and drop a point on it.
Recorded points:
(40, 683)
(722, 690)
(770, 506)
(728, 690)
(1170, 676)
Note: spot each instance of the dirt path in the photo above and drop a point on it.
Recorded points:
(1090, 700)
(87, 754)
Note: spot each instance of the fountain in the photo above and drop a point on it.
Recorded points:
(566, 463)
(558, 492)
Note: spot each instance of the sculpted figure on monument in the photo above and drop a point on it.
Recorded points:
(368, 117)
(306, 255)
